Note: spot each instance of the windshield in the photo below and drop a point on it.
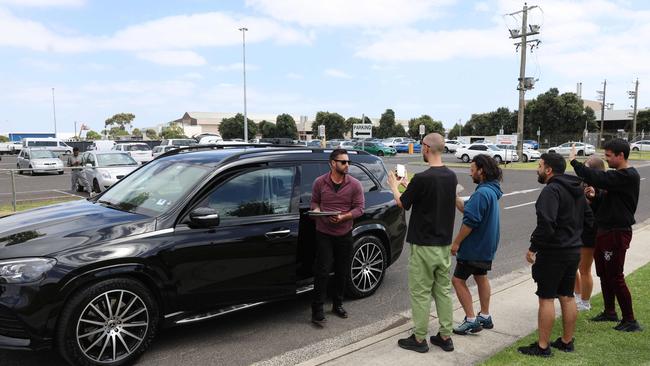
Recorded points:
(187, 142)
(142, 147)
(42, 143)
(43, 154)
(493, 147)
(156, 187)
(115, 159)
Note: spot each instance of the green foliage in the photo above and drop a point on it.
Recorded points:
(285, 126)
(489, 124)
(387, 125)
(558, 115)
(151, 134)
(92, 135)
(455, 131)
(117, 131)
(233, 128)
(429, 126)
(120, 120)
(4, 138)
(643, 121)
(173, 131)
(136, 132)
(351, 121)
(267, 129)
(335, 127)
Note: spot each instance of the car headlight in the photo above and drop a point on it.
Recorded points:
(25, 270)
(106, 175)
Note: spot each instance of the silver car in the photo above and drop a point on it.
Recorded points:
(103, 168)
(38, 160)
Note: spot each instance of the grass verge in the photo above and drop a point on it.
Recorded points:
(596, 343)
(27, 205)
(639, 155)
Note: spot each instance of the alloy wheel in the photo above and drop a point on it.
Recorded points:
(367, 266)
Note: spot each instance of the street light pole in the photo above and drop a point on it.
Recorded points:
(54, 111)
(243, 32)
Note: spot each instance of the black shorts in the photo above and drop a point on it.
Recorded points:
(464, 269)
(555, 273)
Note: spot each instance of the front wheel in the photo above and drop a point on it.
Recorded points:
(446, 150)
(380, 153)
(525, 158)
(367, 266)
(635, 149)
(109, 323)
(465, 158)
(498, 159)
(551, 151)
(581, 153)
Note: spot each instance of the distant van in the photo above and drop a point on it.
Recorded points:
(49, 143)
(102, 145)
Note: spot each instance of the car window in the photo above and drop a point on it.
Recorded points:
(366, 182)
(105, 160)
(258, 192)
(137, 148)
(309, 173)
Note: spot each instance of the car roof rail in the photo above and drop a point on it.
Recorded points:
(235, 146)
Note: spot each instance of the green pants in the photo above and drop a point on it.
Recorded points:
(429, 275)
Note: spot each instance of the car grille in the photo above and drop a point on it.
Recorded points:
(10, 326)
(119, 177)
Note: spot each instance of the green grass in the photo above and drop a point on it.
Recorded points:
(596, 343)
(639, 155)
(21, 206)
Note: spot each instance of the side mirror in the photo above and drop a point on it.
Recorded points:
(204, 217)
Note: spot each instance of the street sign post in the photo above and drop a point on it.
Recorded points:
(422, 130)
(321, 134)
(361, 130)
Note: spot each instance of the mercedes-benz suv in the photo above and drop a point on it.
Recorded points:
(196, 233)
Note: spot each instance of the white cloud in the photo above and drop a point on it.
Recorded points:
(236, 66)
(344, 13)
(173, 58)
(481, 7)
(43, 65)
(43, 3)
(294, 76)
(335, 73)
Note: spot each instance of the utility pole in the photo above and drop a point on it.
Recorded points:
(243, 32)
(524, 82)
(54, 111)
(602, 96)
(634, 95)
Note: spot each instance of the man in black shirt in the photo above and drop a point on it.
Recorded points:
(432, 197)
(618, 199)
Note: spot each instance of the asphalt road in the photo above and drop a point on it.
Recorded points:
(271, 330)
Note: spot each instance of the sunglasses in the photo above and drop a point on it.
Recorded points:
(344, 162)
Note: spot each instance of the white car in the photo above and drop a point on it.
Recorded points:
(183, 142)
(39, 160)
(139, 151)
(392, 141)
(643, 145)
(159, 150)
(528, 153)
(103, 168)
(500, 155)
(452, 146)
(581, 149)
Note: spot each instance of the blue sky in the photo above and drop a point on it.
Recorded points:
(445, 58)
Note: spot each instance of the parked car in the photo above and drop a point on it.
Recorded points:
(375, 148)
(182, 142)
(452, 146)
(139, 151)
(392, 141)
(403, 147)
(500, 155)
(10, 147)
(38, 160)
(642, 145)
(195, 234)
(159, 150)
(205, 140)
(528, 153)
(102, 145)
(533, 144)
(50, 143)
(581, 149)
(103, 168)
(347, 144)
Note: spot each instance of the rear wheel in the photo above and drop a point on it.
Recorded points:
(380, 153)
(525, 158)
(367, 266)
(551, 151)
(498, 159)
(31, 171)
(446, 150)
(635, 149)
(465, 158)
(581, 152)
(109, 323)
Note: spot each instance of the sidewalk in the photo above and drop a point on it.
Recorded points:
(513, 308)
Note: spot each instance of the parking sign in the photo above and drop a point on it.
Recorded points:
(361, 130)
(422, 130)
(321, 130)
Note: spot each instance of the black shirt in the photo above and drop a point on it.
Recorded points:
(432, 195)
(617, 207)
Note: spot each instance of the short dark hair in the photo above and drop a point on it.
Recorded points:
(554, 161)
(618, 146)
(75, 149)
(489, 167)
(336, 153)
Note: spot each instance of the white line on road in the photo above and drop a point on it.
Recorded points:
(522, 192)
(523, 204)
(69, 194)
(44, 191)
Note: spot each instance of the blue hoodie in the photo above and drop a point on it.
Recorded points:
(482, 215)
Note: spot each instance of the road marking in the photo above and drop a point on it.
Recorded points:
(523, 204)
(69, 194)
(522, 192)
(44, 191)
(642, 178)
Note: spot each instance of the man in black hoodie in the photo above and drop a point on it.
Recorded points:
(554, 251)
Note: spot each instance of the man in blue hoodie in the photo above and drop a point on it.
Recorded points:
(476, 242)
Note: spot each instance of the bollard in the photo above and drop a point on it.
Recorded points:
(13, 190)
(411, 148)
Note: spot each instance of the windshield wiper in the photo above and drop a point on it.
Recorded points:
(113, 206)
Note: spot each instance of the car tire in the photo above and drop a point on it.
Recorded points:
(446, 150)
(551, 151)
(581, 153)
(96, 188)
(80, 188)
(498, 159)
(128, 332)
(31, 172)
(61, 172)
(367, 266)
(525, 158)
(635, 149)
(19, 170)
(380, 153)
(465, 158)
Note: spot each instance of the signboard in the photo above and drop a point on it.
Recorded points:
(321, 130)
(506, 140)
(422, 130)
(361, 130)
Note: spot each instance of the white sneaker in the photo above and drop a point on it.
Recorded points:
(583, 305)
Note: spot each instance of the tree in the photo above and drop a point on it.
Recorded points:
(120, 120)
(349, 122)
(334, 125)
(285, 126)
(136, 133)
(386, 124)
(233, 128)
(92, 135)
(172, 131)
(429, 126)
(267, 129)
(4, 138)
(151, 134)
(117, 131)
(490, 124)
(643, 121)
(455, 131)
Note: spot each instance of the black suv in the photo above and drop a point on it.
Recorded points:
(196, 233)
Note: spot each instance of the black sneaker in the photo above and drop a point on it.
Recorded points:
(412, 344)
(604, 317)
(447, 345)
(318, 315)
(535, 350)
(629, 326)
(566, 347)
(339, 311)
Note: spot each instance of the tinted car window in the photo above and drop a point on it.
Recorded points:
(310, 171)
(254, 193)
(366, 182)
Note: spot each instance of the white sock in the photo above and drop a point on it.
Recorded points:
(471, 320)
(484, 316)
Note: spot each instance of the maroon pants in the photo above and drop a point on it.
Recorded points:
(609, 256)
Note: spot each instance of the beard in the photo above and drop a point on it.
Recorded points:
(342, 171)
(541, 178)
(476, 180)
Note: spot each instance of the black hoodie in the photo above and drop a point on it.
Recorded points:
(562, 211)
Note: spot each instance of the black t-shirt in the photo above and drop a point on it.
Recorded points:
(432, 196)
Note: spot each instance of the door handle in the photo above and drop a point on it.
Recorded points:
(277, 234)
